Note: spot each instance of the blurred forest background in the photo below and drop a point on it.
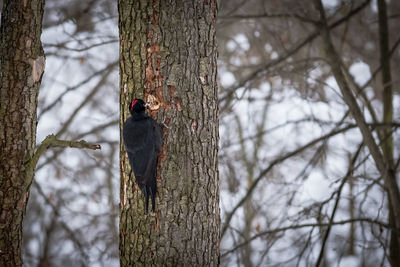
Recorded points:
(297, 183)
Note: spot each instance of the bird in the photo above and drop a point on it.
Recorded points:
(143, 139)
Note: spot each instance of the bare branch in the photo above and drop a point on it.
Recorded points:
(267, 15)
(72, 88)
(92, 93)
(305, 225)
(73, 235)
(387, 174)
(280, 160)
(52, 141)
(339, 192)
(230, 91)
(87, 47)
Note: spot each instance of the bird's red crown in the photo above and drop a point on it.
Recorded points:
(132, 104)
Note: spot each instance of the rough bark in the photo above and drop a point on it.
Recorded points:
(388, 174)
(21, 68)
(387, 99)
(168, 51)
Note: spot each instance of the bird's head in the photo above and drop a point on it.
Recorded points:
(137, 106)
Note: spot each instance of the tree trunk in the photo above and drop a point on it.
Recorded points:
(21, 69)
(387, 138)
(168, 51)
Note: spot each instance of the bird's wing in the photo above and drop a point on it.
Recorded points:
(134, 134)
(157, 135)
(139, 143)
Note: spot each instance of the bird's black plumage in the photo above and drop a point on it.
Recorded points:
(142, 138)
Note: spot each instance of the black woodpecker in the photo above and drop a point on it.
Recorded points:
(143, 138)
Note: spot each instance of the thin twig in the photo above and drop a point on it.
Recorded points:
(74, 235)
(267, 15)
(280, 160)
(339, 192)
(381, 163)
(75, 87)
(231, 91)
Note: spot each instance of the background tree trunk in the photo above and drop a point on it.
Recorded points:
(168, 51)
(387, 136)
(21, 69)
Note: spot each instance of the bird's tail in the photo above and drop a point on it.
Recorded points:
(148, 192)
(146, 197)
(153, 199)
